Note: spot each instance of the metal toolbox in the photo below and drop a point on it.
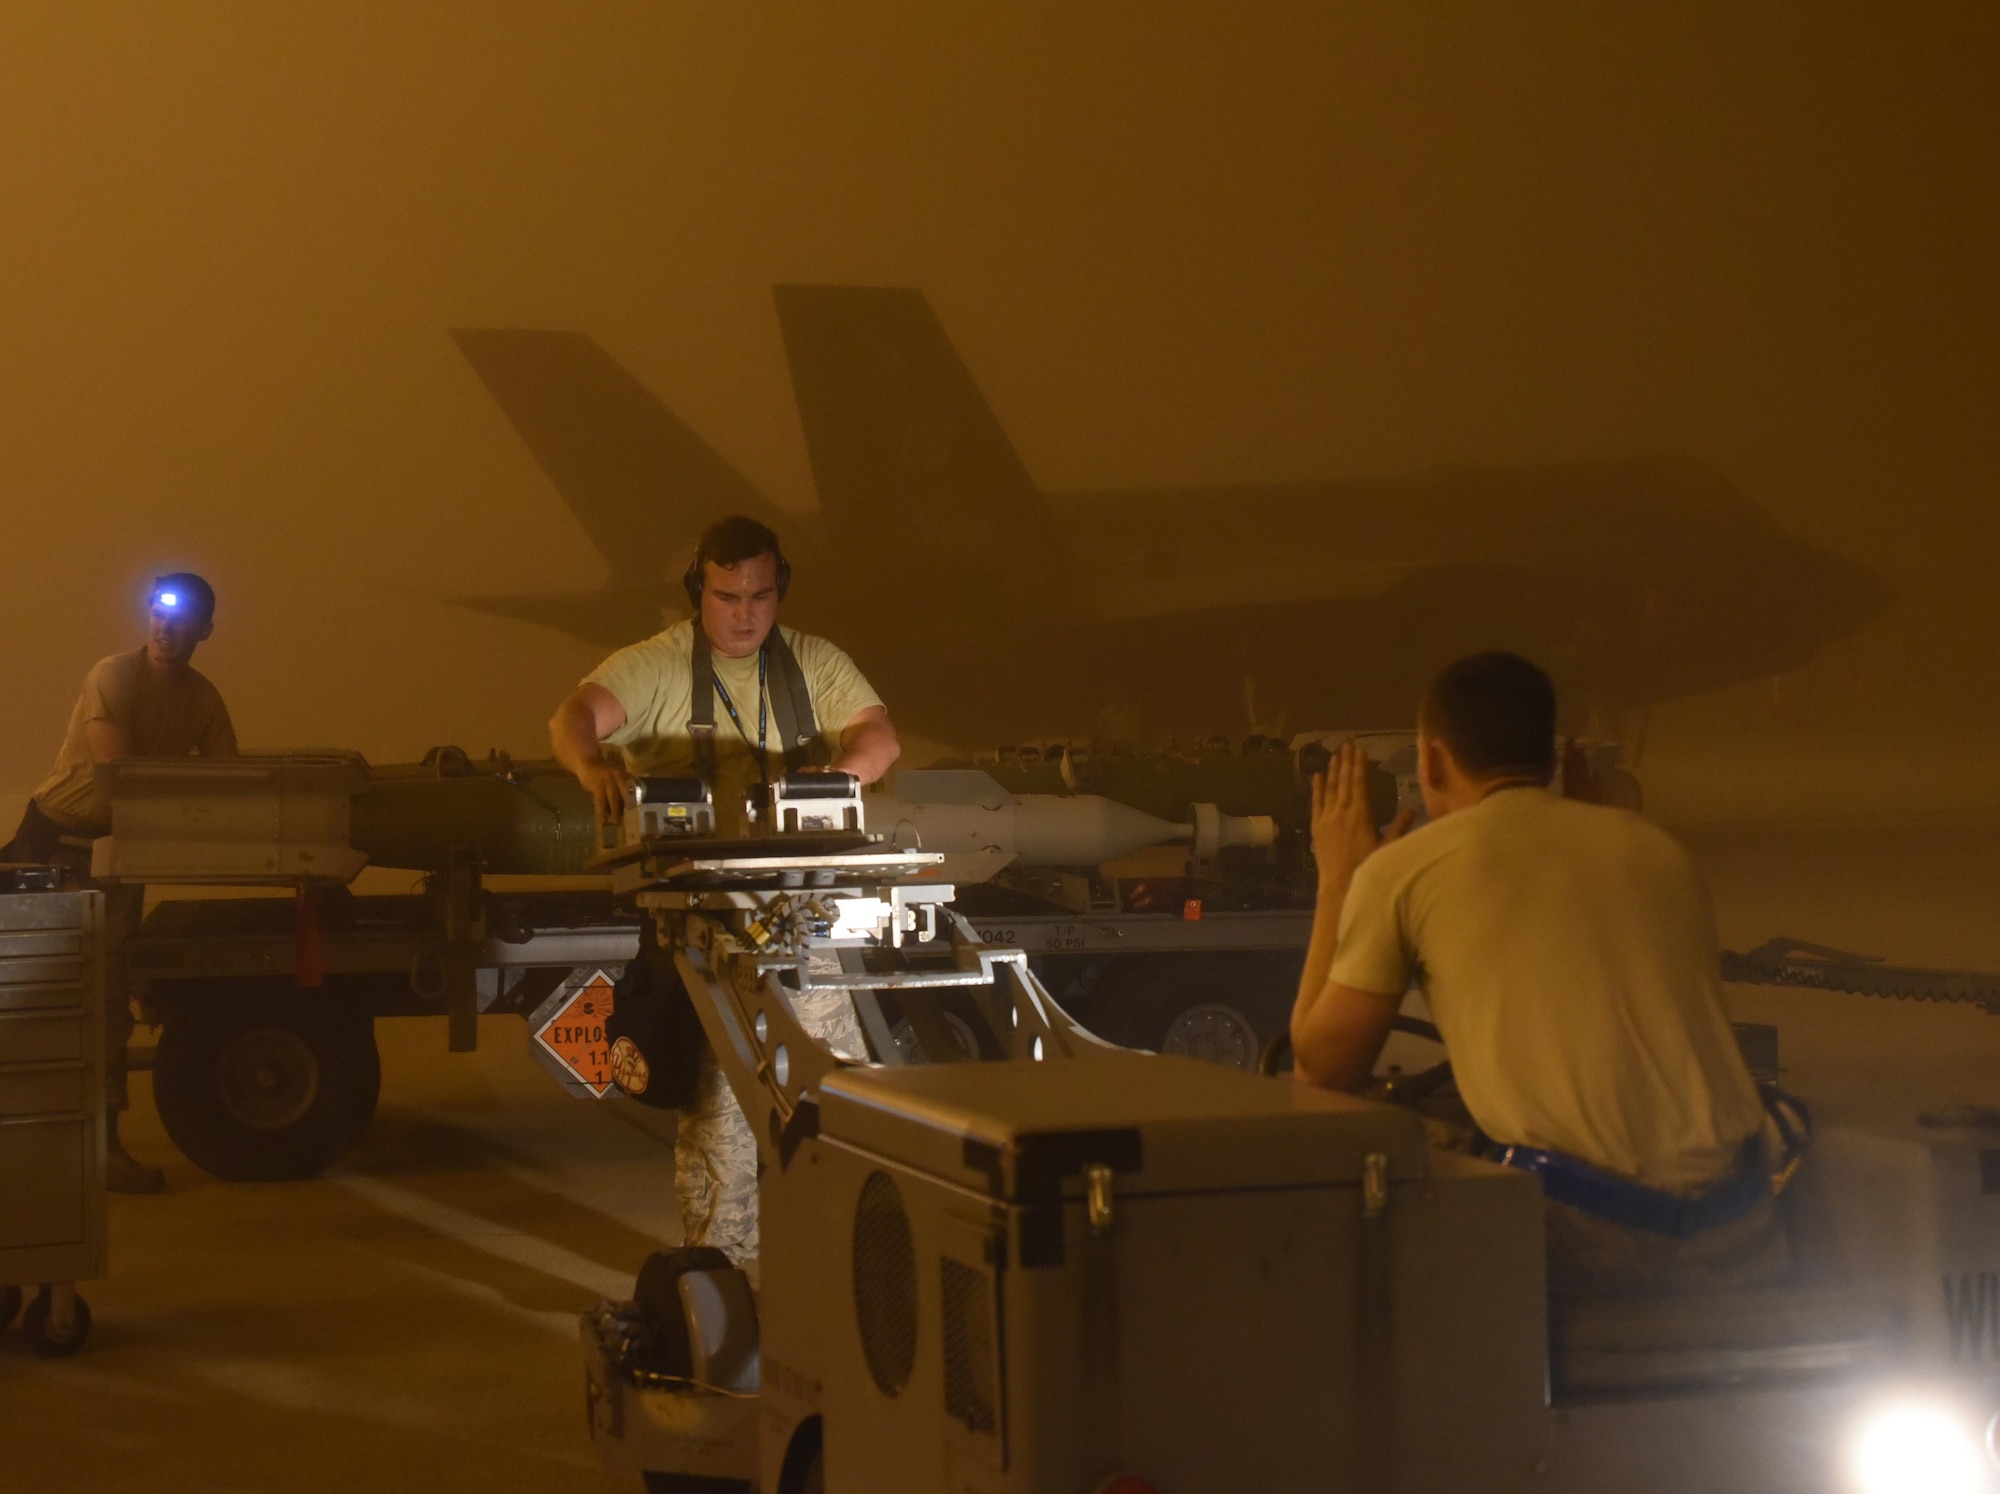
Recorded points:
(1058, 1275)
(52, 1211)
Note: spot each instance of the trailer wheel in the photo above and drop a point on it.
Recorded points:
(263, 1091)
(1220, 1007)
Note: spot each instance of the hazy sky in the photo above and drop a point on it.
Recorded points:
(1174, 243)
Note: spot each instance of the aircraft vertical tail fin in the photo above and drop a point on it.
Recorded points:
(638, 479)
(904, 447)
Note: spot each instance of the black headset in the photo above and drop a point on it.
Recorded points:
(693, 577)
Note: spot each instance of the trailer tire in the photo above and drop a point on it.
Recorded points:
(1219, 1006)
(266, 1090)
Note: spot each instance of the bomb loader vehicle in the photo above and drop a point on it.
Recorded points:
(1056, 1265)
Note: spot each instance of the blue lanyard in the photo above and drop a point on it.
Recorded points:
(756, 747)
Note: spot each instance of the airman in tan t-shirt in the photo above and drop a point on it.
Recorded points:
(653, 680)
(150, 702)
(162, 715)
(629, 717)
(1568, 956)
(1567, 952)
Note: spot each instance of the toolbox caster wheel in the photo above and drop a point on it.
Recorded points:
(41, 1337)
(10, 1304)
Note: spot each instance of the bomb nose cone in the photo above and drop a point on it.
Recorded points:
(1086, 829)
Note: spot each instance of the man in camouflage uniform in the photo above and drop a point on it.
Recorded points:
(641, 705)
(715, 1153)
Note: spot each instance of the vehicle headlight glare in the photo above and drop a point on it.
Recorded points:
(1917, 1447)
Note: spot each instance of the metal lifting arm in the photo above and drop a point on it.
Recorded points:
(756, 923)
(775, 1067)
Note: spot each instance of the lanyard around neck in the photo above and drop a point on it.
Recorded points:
(763, 699)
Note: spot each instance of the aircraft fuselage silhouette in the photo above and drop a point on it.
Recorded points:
(986, 610)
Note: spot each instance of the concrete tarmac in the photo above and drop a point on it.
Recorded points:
(408, 1322)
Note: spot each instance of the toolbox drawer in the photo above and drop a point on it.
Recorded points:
(55, 997)
(32, 1037)
(41, 1182)
(40, 969)
(42, 1089)
(18, 944)
(22, 912)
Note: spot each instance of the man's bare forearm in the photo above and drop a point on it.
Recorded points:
(573, 737)
(576, 736)
(1337, 1045)
(106, 741)
(868, 749)
(1320, 950)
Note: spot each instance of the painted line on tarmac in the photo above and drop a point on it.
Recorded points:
(635, 1192)
(560, 1324)
(496, 1240)
(288, 1385)
(83, 1379)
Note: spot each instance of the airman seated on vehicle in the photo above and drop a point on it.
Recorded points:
(1568, 955)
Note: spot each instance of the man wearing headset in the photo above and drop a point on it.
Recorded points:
(730, 696)
(149, 702)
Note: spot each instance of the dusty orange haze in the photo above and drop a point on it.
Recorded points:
(1174, 243)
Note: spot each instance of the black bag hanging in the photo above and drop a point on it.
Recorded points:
(651, 1011)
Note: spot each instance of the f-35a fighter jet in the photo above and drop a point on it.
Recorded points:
(988, 609)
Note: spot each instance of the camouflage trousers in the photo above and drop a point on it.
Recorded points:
(715, 1154)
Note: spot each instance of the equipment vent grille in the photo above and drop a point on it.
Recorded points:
(885, 1283)
(971, 1391)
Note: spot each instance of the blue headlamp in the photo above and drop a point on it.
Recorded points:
(183, 594)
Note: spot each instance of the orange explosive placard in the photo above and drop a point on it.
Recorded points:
(574, 1036)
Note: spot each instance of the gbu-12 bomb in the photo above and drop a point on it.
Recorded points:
(982, 828)
(1267, 776)
(1060, 806)
(533, 818)
(1264, 777)
(527, 818)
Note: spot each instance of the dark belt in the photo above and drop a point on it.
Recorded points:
(41, 838)
(1621, 1201)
